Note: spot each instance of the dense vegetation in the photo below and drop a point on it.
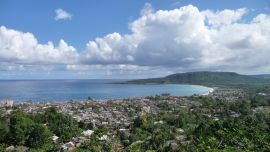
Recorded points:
(248, 132)
(208, 79)
(35, 131)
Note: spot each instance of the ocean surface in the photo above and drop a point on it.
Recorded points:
(65, 90)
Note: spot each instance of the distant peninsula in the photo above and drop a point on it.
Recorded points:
(207, 78)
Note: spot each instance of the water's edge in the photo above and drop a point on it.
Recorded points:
(79, 90)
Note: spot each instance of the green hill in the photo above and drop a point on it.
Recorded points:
(206, 78)
(262, 76)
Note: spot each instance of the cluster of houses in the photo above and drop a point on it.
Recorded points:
(76, 141)
(227, 94)
(112, 113)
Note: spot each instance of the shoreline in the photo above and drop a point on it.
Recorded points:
(211, 90)
(201, 90)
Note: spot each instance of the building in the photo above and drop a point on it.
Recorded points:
(6, 103)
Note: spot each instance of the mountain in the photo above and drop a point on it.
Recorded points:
(262, 76)
(206, 78)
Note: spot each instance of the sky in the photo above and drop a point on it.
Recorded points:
(132, 39)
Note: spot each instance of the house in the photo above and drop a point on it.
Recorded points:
(158, 122)
(104, 123)
(87, 133)
(55, 138)
(180, 130)
(103, 138)
(68, 146)
(10, 148)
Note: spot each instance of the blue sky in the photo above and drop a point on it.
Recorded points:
(93, 19)
(96, 19)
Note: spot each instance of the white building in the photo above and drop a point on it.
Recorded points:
(6, 102)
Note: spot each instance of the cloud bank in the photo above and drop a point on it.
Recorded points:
(187, 38)
(182, 39)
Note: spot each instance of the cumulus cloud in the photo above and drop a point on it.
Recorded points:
(225, 17)
(23, 48)
(108, 50)
(61, 14)
(187, 38)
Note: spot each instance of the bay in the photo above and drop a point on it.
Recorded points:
(65, 90)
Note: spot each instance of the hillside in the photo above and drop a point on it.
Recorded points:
(206, 78)
(262, 76)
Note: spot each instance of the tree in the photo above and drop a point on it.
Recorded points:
(20, 127)
(39, 136)
(3, 130)
(62, 125)
(3, 147)
(142, 120)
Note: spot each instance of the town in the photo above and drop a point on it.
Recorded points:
(118, 117)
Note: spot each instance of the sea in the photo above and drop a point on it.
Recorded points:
(98, 89)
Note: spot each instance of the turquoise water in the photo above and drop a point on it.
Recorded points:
(64, 90)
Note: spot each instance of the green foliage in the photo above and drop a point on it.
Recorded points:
(101, 131)
(154, 136)
(241, 106)
(207, 78)
(175, 120)
(2, 147)
(244, 133)
(239, 127)
(19, 128)
(61, 125)
(39, 136)
(95, 145)
(85, 126)
(160, 134)
(52, 147)
(134, 148)
(164, 106)
(4, 129)
(142, 120)
(139, 134)
(34, 131)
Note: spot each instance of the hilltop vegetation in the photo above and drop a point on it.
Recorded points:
(207, 78)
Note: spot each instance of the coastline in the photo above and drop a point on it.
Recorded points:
(65, 91)
(211, 90)
(56, 102)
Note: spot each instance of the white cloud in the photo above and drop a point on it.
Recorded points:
(182, 39)
(62, 14)
(187, 38)
(108, 49)
(147, 9)
(23, 48)
(224, 17)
